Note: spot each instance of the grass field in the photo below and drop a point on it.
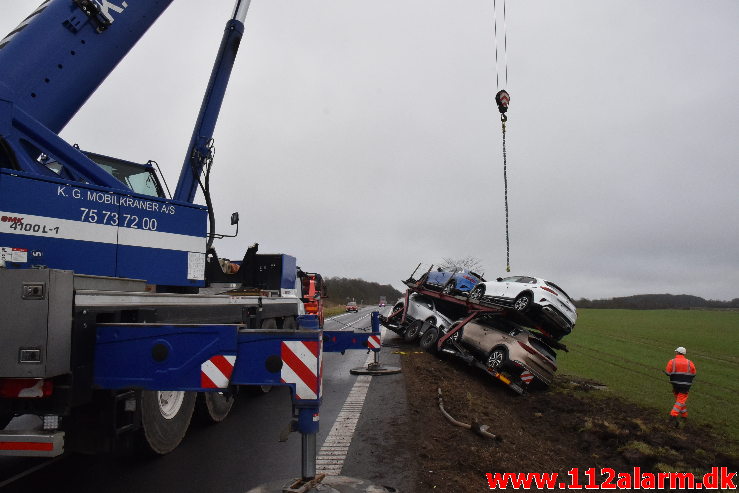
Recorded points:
(330, 310)
(627, 350)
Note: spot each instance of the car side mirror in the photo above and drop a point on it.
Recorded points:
(317, 296)
(499, 279)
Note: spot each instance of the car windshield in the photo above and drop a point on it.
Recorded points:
(419, 298)
(351, 303)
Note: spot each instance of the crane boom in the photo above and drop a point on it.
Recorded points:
(199, 149)
(59, 55)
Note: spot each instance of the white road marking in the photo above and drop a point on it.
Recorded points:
(331, 457)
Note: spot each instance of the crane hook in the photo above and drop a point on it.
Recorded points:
(502, 99)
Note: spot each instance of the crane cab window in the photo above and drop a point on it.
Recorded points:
(138, 177)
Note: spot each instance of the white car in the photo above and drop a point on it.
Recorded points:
(421, 309)
(541, 300)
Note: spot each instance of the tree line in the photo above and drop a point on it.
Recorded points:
(341, 290)
(657, 302)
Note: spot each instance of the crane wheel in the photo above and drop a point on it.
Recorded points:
(214, 407)
(165, 417)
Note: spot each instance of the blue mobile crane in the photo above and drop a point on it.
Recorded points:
(118, 320)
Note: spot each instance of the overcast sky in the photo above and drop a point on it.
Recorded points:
(362, 137)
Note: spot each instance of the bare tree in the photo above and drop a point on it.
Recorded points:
(468, 263)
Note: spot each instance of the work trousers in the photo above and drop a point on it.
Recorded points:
(681, 404)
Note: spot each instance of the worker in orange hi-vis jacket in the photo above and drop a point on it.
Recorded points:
(681, 372)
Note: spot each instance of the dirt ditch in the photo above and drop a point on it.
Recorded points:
(575, 423)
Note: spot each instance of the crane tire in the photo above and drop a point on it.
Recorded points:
(165, 417)
(213, 407)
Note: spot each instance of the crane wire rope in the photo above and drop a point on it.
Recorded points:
(502, 99)
(505, 44)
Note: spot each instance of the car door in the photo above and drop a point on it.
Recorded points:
(500, 289)
(521, 284)
(496, 336)
(473, 335)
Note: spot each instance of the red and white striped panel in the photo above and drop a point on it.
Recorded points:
(527, 377)
(320, 371)
(374, 342)
(216, 372)
(301, 365)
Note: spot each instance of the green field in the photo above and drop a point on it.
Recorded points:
(627, 350)
(332, 310)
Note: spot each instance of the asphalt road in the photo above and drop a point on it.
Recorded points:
(233, 456)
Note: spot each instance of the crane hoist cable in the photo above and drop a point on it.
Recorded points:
(502, 99)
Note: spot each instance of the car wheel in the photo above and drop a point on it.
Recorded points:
(411, 333)
(450, 287)
(477, 293)
(496, 358)
(522, 303)
(428, 340)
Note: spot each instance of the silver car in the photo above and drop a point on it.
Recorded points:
(422, 314)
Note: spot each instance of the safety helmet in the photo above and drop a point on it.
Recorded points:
(680, 350)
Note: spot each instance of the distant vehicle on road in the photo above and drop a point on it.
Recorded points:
(541, 300)
(383, 301)
(352, 306)
(461, 282)
(504, 346)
